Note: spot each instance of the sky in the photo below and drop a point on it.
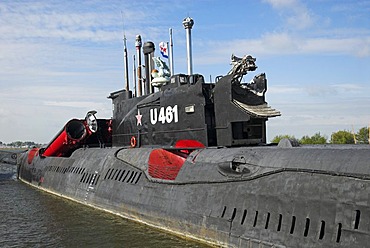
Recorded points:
(60, 59)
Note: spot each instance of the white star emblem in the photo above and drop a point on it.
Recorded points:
(138, 118)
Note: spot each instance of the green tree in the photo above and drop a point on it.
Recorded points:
(317, 138)
(16, 144)
(342, 137)
(29, 143)
(277, 138)
(362, 136)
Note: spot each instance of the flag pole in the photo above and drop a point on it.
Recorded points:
(171, 54)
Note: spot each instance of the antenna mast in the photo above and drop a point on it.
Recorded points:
(127, 87)
(139, 77)
(188, 25)
(134, 74)
(125, 56)
(171, 54)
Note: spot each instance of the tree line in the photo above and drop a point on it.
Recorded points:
(339, 137)
(18, 144)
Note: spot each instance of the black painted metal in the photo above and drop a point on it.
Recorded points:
(148, 50)
(8, 164)
(191, 125)
(237, 197)
(214, 119)
(236, 192)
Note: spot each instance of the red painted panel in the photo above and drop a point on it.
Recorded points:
(164, 164)
(31, 154)
(188, 144)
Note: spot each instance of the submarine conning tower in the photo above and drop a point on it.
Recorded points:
(186, 108)
(225, 113)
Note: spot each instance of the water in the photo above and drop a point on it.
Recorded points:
(33, 218)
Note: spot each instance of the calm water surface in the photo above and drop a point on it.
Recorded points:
(32, 218)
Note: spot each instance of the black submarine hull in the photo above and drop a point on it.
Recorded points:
(191, 158)
(268, 196)
(8, 164)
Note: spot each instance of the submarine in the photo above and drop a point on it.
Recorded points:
(191, 158)
(8, 165)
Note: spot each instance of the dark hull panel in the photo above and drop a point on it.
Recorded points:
(234, 197)
(8, 165)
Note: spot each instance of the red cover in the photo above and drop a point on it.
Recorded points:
(164, 164)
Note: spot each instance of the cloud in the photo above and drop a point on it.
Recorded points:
(44, 39)
(71, 104)
(316, 108)
(283, 89)
(50, 92)
(274, 44)
(38, 113)
(30, 23)
(359, 46)
(334, 89)
(350, 87)
(284, 43)
(87, 21)
(360, 7)
(318, 90)
(295, 14)
(282, 3)
(307, 116)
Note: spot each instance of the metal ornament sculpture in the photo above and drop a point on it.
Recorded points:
(162, 75)
(241, 66)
